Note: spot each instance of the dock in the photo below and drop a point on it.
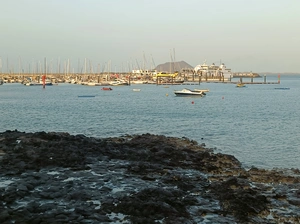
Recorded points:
(211, 81)
(221, 80)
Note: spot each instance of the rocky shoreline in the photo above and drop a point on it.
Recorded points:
(63, 178)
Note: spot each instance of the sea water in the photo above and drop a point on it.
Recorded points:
(258, 124)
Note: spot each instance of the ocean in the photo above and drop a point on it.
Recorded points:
(258, 124)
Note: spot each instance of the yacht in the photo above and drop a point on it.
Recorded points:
(213, 71)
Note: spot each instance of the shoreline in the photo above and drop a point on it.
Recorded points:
(58, 177)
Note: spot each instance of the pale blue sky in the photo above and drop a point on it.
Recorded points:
(247, 35)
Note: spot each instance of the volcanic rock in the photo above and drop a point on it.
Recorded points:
(62, 178)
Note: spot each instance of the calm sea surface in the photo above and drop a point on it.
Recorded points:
(257, 124)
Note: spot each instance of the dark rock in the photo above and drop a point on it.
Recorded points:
(4, 216)
(61, 178)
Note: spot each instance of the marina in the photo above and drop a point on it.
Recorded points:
(143, 112)
(127, 79)
(202, 73)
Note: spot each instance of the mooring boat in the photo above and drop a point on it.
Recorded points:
(38, 84)
(106, 88)
(188, 92)
(119, 83)
(240, 85)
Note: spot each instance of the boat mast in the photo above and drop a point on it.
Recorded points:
(7, 67)
(84, 66)
(78, 65)
(174, 59)
(171, 61)
(0, 65)
(45, 66)
(68, 67)
(19, 65)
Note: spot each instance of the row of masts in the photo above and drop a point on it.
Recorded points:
(66, 67)
(48, 67)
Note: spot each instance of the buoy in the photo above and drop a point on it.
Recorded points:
(222, 97)
(167, 94)
(192, 102)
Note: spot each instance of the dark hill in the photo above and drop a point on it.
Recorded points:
(173, 66)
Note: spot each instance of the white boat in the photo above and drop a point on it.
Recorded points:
(139, 82)
(136, 90)
(38, 84)
(119, 83)
(188, 92)
(213, 71)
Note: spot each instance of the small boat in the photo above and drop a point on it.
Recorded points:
(136, 90)
(188, 92)
(38, 84)
(106, 88)
(240, 85)
(119, 83)
(86, 96)
(139, 82)
(283, 88)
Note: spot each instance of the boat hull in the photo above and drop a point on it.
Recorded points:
(39, 84)
(187, 95)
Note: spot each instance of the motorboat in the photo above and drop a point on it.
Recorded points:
(38, 84)
(106, 88)
(240, 85)
(119, 83)
(136, 90)
(188, 92)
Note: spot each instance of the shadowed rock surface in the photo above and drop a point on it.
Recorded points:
(63, 178)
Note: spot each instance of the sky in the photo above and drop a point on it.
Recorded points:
(121, 35)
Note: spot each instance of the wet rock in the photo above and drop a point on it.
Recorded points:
(62, 178)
